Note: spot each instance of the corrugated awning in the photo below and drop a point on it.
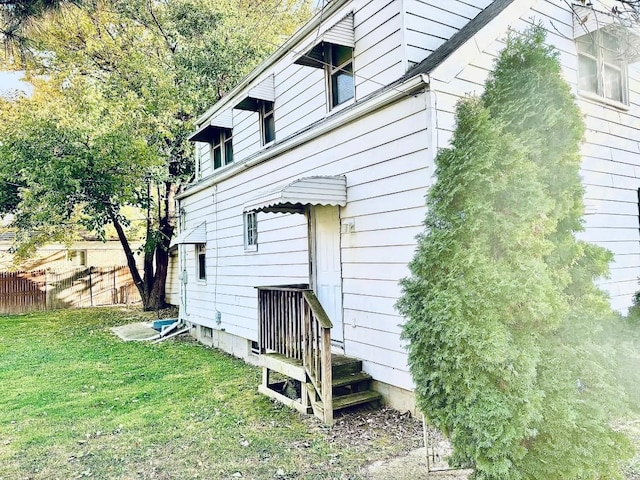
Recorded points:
(191, 236)
(340, 34)
(295, 196)
(208, 129)
(264, 90)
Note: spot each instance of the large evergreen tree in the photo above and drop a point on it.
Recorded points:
(501, 302)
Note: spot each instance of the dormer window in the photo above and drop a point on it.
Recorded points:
(339, 67)
(216, 142)
(601, 69)
(267, 122)
(333, 52)
(221, 148)
(260, 98)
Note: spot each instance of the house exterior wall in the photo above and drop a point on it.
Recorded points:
(381, 56)
(429, 23)
(387, 158)
(611, 149)
(387, 176)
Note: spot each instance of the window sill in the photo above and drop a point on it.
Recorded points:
(250, 248)
(342, 106)
(595, 98)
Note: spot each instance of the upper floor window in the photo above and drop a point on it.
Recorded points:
(332, 51)
(221, 148)
(267, 122)
(339, 67)
(601, 69)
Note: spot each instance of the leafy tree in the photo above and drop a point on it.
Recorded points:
(118, 86)
(501, 305)
(15, 16)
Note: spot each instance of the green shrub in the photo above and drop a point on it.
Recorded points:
(501, 304)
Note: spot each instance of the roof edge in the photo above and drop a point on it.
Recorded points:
(458, 39)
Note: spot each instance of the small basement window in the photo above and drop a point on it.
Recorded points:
(251, 231)
(207, 332)
(201, 253)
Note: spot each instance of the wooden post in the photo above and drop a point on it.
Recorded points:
(90, 288)
(327, 394)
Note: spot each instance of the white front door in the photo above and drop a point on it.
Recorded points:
(327, 267)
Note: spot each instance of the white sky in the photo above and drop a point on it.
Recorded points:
(10, 81)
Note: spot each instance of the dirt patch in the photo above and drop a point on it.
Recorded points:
(409, 467)
(390, 442)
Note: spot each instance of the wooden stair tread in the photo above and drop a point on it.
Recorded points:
(353, 399)
(342, 365)
(350, 379)
(283, 358)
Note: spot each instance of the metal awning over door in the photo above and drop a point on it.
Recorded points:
(295, 196)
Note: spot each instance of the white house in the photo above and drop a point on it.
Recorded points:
(312, 173)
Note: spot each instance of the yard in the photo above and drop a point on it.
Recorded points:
(76, 402)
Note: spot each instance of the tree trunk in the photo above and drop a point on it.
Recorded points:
(152, 284)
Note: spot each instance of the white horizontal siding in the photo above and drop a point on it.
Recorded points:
(384, 157)
(611, 152)
(429, 23)
(246, 134)
(203, 153)
(378, 50)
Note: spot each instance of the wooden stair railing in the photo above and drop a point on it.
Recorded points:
(292, 323)
(317, 353)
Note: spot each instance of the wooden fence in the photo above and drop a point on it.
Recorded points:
(52, 289)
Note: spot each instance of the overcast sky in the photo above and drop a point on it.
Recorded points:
(10, 81)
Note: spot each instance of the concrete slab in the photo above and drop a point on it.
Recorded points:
(141, 331)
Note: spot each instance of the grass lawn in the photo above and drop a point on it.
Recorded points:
(77, 402)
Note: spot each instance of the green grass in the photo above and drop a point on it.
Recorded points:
(76, 402)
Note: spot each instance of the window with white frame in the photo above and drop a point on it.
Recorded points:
(221, 148)
(339, 68)
(201, 254)
(251, 231)
(601, 69)
(267, 122)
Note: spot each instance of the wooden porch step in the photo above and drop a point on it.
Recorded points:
(350, 379)
(351, 400)
(342, 365)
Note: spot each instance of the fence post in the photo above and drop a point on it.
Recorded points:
(90, 288)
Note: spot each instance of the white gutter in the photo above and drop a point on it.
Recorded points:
(338, 120)
(283, 50)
